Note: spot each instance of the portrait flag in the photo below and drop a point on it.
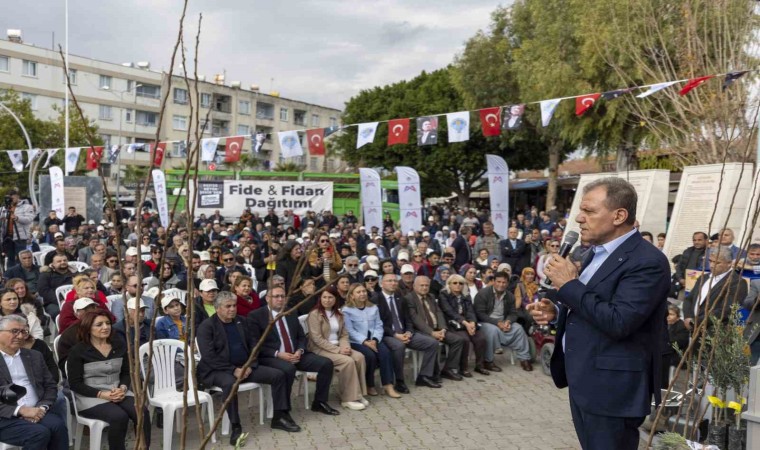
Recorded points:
(72, 156)
(316, 138)
(208, 149)
(366, 134)
(93, 157)
(158, 151)
(398, 131)
(50, 153)
(694, 82)
(232, 148)
(371, 198)
(17, 159)
(332, 129)
(290, 144)
(113, 153)
(159, 187)
(459, 126)
(617, 93)
(512, 117)
(56, 190)
(656, 88)
(731, 77)
(131, 148)
(547, 110)
(584, 103)
(409, 199)
(31, 154)
(490, 121)
(257, 141)
(498, 189)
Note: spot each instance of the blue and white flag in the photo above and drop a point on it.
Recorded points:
(547, 110)
(290, 145)
(113, 153)
(208, 149)
(31, 154)
(17, 159)
(656, 88)
(72, 156)
(459, 126)
(366, 134)
(50, 153)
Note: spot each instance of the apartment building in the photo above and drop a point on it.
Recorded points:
(124, 102)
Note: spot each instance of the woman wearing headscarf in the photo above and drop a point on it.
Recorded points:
(451, 238)
(442, 273)
(526, 293)
(472, 284)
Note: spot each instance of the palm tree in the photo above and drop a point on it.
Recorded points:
(288, 167)
(135, 175)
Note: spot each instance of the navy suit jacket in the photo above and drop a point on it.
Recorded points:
(612, 359)
(258, 320)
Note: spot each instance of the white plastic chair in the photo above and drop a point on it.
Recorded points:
(165, 393)
(46, 247)
(415, 361)
(146, 281)
(179, 294)
(304, 375)
(112, 298)
(252, 273)
(79, 265)
(4, 446)
(39, 257)
(61, 292)
(96, 427)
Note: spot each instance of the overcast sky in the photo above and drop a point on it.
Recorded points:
(318, 51)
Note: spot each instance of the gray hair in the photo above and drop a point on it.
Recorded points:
(24, 252)
(352, 258)
(723, 253)
(224, 296)
(4, 320)
(620, 195)
(382, 276)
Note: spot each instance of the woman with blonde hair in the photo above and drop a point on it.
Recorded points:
(328, 337)
(84, 287)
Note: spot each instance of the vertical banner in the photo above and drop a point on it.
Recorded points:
(498, 188)
(409, 199)
(159, 186)
(56, 191)
(50, 153)
(72, 156)
(372, 199)
(208, 149)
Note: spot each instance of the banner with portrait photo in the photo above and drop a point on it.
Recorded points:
(512, 117)
(427, 130)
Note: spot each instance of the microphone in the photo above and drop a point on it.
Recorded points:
(571, 237)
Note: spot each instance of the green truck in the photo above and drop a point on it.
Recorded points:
(346, 187)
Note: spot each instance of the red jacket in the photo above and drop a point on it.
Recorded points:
(244, 306)
(67, 316)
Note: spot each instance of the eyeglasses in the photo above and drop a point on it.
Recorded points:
(215, 252)
(228, 259)
(323, 241)
(352, 265)
(17, 331)
(456, 282)
(278, 296)
(554, 246)
(370, 279)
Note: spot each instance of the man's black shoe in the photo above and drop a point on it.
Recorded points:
(491, 366)
(401, 387)
(237, 430)
(425, 381)
(451, 375)
(285, 425)
(324, 408)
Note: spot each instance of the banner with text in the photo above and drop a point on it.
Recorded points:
(498, 186)
(409, 199)
(57, 202)
(372, 199)
(231, 197)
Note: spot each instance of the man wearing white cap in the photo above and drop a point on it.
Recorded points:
(130, 291)
(372, 263)
(134, 319)
(406, 284)
(69, 336)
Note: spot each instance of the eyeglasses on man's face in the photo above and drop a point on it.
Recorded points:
(228, 259)
(18, 331)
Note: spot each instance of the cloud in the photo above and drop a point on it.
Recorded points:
(318, 51)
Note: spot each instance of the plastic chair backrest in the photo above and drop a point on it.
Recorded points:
(55, 345)
(62, 291)
(79, 265)
(304, 323)
(164, 356)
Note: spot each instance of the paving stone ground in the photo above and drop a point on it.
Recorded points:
(508, 410)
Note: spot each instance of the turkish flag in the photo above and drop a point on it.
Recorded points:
(93, 157)
(232, 148)
(157, 152)
(398, 131)
(490, 120)
(316, 138)
(694, 82)
(584, 103)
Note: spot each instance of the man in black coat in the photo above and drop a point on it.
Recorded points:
(224, 345)
(27, 270)
(284, 349)
(514, 251)
(462, 247)
(692, 257)
(58, 275)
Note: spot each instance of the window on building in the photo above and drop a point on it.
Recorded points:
(314, 163)
(333, 122)
(128, 115)
(5, 64)
(32, 99)
(147, 118)
(106, 140)
(105, 112)
(72, 77)
(244, 107)
(148, 90)
(315, 120)
(105, 82)
(205, 100)
(179, 149)
(180, 96)
(299, 117)
(264, 111)
(29, 68)
(283, 114)
(206, 126)
(179, 123)
(130, 85)
(330, 165)
(243, 130)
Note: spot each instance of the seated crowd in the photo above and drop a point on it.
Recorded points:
(359, 299)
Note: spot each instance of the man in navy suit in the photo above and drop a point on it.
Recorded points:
(610, 320)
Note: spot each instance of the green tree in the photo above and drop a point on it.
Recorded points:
(445, 167)
(288, 167)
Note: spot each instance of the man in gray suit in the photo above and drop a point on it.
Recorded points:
(31, 424)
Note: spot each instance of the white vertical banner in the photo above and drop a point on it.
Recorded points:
(159, 186)
(17, 159)
(57, 201)
(498, 191)
(372, 199)
(290, 145)
(409, 199)
(72, 156)
(366, 134)
(459, 126)
(208, 149)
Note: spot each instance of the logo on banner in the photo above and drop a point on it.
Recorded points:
(369, 183)
(290, 142)
(459, 125)
(410, 188)
(498, 180)
(372, 210)
(411, 213)
(498, 216)
(366, 133)
(73, 158)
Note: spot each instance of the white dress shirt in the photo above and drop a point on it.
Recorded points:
(708, 284)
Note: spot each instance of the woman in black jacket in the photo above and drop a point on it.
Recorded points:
(460, 319)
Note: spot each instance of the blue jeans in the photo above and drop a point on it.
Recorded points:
(382, 359)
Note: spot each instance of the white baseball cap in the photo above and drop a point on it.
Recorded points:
(216, 222)
(205, 256)
(132, 251)
(208, 285)
(92, 222)
(370, 273)
(403, 255)
(100, 228)
(132, 302)
(426, 234)
(168, 299)
(407, 268)
(83, 303)
(374, 262)
(371, 246)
